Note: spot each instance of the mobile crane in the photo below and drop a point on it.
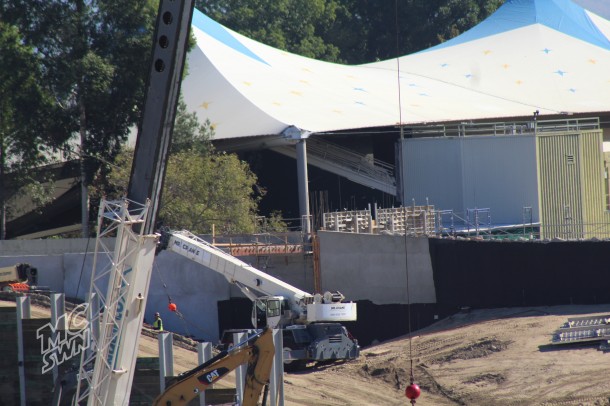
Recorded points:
(310, 323)
(257, 352)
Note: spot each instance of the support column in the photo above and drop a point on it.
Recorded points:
(240, 371)
(204, 354)
(303, 185)
(276, 380)
(166, 357)
(400, 172)
(24, 311)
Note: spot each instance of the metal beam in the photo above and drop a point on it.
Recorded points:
(161, 101)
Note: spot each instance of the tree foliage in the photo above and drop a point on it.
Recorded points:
(94, 52)
(201, 187)
(204, 190)
(29, 124)
(200, 191)
(351, 31)
(189, 134)
(301, 27)
(93, 57)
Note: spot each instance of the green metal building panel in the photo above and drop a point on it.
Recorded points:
(571, 194)
(595, 213)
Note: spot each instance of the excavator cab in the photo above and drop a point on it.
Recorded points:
(267, 311)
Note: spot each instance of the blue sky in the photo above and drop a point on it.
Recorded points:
(600, 7)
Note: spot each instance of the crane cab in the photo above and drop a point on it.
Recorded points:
(269, 311)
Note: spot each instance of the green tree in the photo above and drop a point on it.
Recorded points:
(94, 56)
(293, 25)
(202, 191)
(189, 133)
(350, 31)
(201, 187)
(199, 191)
(374, 30)
(28, 123)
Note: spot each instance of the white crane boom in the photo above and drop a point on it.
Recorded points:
(235, 270)
(255, 284)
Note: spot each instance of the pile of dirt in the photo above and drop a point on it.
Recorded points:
(483, 357)
(479, 349)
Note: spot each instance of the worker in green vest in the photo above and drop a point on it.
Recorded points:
(158, 324)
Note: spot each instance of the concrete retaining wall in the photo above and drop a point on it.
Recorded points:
(64, 267)
(374, 267)
(443, 276)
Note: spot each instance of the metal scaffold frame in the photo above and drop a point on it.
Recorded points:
(111, 285)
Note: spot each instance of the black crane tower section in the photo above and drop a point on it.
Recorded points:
(161, 100)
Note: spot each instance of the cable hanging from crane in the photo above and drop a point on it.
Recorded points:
(412, 391)
(172, 307)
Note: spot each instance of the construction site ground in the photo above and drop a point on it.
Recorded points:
(480, 357)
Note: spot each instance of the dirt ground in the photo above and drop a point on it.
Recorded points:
(483, 357)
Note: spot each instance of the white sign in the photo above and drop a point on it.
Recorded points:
(331, 312)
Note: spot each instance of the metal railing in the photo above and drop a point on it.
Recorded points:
(469, 129)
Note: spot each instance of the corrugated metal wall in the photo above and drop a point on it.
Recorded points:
(595, 215)
(559, 174)
(571, 173)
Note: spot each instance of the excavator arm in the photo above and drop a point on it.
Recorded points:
(257, 352)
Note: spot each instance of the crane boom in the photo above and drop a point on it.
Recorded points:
(235, 270)
(304, 307)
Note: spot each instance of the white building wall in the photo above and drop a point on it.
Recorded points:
(460, 173)
(431, 169)
(500, 173)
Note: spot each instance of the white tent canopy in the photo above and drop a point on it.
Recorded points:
(546, 55)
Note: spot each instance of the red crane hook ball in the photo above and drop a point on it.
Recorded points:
(413, 391)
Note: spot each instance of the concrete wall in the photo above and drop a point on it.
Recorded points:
(363, 267)
(46, 247)
(374, 267)
(64, 267)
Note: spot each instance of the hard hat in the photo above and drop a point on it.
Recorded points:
(156, 314)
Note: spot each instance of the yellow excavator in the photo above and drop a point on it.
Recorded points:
(257, 352)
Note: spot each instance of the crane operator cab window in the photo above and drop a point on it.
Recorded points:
(267, 312)
(274, 312)
(259, 313)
